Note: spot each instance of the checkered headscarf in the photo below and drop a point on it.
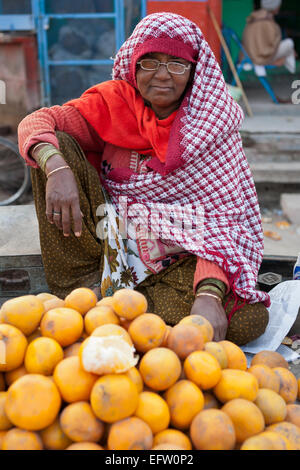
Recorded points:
(205, 163)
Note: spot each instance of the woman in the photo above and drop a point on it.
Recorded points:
(163, 137)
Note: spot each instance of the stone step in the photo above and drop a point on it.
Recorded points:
(276, 172)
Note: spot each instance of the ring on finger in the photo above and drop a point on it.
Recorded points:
(56, 213)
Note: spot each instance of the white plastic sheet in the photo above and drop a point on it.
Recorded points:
(283, 311)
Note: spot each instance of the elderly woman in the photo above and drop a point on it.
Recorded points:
(158, 142)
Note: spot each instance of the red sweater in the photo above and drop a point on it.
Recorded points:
(41, 126)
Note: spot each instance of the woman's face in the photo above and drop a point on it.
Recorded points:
(163, 90)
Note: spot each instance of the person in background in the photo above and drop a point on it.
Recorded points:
(263, 41)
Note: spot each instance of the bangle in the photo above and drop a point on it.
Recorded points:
(212, 289)
(45, 153)
(214, 282)
(210, 295)
(57, 169)
(35, 146)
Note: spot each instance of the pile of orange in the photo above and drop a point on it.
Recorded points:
(77, 374)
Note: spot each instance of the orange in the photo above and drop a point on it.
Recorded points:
(164, 343)
(114, 397)
(172, 436)
(160, 368)
(147, 331)
(203, 369)
(288, 384)
(32, 402)
(185, 400)
(130, 434)
(5, 423)
(246, 417)
(236, 358)
(53, 303)
(272, 405)
(81, 299)
(266, 377)
(36, 334)
(212, 430)
(42, 355)
(210, 401)
(54, 438)
(125, 323)
(128, 303)
(266, 441)
(84, 446)
(288, 430)
(2, 434)
(105, 301)
(293, 414)
(106, 355)
(44, 296)
(72, 350)
(24, 312)
(99, 315)
(218, 351)
(65, 325)
(184, 339)
(90, 428)
(202, 323)
(15, 374)
(167, 446)
(112, 330)
(15, 347)
(298, 382)
(74, 383)
(134, 375)
(269, 358)
(19, 439)
(153, 409)
(2, 383)
(235, 383)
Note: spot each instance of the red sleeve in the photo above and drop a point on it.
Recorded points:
(41, 125)
(205, 269)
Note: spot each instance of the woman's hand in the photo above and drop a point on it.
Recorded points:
(62, 198)
(213, 311)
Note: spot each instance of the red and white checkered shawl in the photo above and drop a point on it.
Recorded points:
(205, 162)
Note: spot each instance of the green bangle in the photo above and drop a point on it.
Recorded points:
(45, 153)
(210, 289)
(214, 282)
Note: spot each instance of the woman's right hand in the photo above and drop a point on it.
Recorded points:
(62, 198)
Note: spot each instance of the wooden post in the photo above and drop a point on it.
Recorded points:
(230, 61)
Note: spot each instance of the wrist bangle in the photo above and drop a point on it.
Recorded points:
(35, 146)
(45, 153)
(214, 282)
(210, 295)
(210, 289)
(57, 169)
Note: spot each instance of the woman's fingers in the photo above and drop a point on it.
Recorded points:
(57, 216)
(49, 211)
(77, 218)
(66, 220)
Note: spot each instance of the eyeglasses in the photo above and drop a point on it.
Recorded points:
(173, 67)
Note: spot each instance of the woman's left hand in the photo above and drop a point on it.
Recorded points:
(213, 311)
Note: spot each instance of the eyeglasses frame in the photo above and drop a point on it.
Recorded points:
(186, 67)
